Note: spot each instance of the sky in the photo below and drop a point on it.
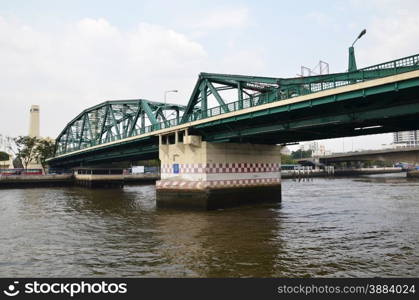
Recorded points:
(69, 55)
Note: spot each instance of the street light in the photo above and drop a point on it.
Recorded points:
(165, 95)
(352, 62)
(166, 92)
(359, 36)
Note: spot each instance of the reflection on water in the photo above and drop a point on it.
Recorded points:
(324, 227)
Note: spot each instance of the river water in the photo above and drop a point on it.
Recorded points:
(361, 227)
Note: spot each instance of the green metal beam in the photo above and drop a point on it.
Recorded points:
(82, 131)
(120, 120)
(242, 78)
(102, 130)
(217, 96)
(161, 114)
(204, 100)
(193, 101)
(142, 129)
(362, 116)
(135, 120)
(240, 94)
(115, 123)
(147, 109)
(90, 130)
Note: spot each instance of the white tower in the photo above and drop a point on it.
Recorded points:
(34, 121)
(34, 132)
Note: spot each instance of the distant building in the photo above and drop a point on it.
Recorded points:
(34, 121)
(406, 138)
(285, 151)
(316, 149)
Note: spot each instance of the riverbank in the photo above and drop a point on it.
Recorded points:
(21, 181)
(366, 171)
(64, 180)
(348, 172)
(28, 181)
(141, 178)
(413, 174)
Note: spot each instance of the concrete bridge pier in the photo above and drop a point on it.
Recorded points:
(204, 175)
(99, 178)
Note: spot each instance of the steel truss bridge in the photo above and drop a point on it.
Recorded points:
(250, 109)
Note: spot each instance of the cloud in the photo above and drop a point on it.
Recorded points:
(391, 37)
(225, 18)
(319, 18)
(68, 69)
(246, 62)
(389, 7)
(391, 30)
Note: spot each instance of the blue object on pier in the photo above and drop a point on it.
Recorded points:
(175, 168)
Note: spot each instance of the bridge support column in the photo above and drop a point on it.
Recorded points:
(204, 175)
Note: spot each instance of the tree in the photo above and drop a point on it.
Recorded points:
(4, 156)
(299, 154)
(26, 149)
(287, 160)
(17, 163)
(44, 149)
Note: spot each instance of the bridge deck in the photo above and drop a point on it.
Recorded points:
(251, 112)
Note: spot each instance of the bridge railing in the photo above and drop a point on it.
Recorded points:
(393, 67)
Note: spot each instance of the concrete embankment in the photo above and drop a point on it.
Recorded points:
(413, 174)
(338, 172)
(366, 171)
(141, 178)
(310, 174)
(21, 181)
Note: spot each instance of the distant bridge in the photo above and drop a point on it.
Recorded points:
(408, 154)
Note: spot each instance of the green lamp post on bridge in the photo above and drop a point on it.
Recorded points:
(352, 61)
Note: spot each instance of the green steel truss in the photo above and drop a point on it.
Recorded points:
(115, 120)
(213, 94)
(248, 91)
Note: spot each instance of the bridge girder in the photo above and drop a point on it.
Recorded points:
(114, 120)
(260, 90)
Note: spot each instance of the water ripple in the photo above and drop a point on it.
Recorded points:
(361, 227)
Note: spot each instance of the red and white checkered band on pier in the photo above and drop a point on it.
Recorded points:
(175, 184)
(222, 168)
